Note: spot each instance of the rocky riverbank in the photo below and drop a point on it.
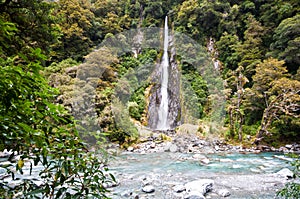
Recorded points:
(189, 142)
(175, 165)
(177, 176)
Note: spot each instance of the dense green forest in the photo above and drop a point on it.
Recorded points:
(43, 44)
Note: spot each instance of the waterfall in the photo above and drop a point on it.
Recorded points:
(163, 111)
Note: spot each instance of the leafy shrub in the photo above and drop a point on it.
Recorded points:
(43, 134)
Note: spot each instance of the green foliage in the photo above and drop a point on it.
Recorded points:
(75, 21)
(195, 92)
(227, 48)
(35, 23)
(287, 41)
(250, 51)
(43, 133)
(290, 191)
(7, 31)
(270, 91)
(137, 104)
(58, 67)
(288, 128)
(251, 129)
(124, 132)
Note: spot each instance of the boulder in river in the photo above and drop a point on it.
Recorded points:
(203, 186)
(223, 193)
(148, 189)
(205, 160)
(179, 188)
(194, 195)
(173, 148)
(286, 173)
(130, 149)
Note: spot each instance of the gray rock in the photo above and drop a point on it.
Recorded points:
(126, 193)
(167, 146)
(148, 189)
(152, 145)
(194, 195)
(203, 186)
(130, 149)
(2, 171)
(179, 188)
(135, 196)
(199, 156)
(288, 146)
(217, 148)
(173, 148)
(5, 153)
(111, 184)
(285, 173)
(205, 161)
(223, 193)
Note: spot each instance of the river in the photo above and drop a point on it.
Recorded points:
(243, 175)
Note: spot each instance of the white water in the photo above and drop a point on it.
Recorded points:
(163, 123)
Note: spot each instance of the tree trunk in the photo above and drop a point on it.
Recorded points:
(265, 123)
(240, 131)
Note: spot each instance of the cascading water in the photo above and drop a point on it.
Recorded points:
(163, 111)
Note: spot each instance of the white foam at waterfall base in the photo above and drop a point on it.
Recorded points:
(163, 123)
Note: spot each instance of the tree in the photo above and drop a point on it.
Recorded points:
(227, 50)
(75, 21)
(201, 18)
(112, 16)
(250, 51)
(7, 31)
(37, 131)
(276, 93)
(235, 109)
(40, 132)
(35, 23)
(287, 41)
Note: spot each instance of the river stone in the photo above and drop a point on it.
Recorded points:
(285, 173)
(199, 156)
(226, 160)
(130, 149)
(173, 148)
(205, 161)
(111, 184)
(167, 146)
(2, 171)
(217, 148)
(153, 145)
(179, 188)
(6, 153)
(148, 189)
(224, 193)
(203, 186)
(127, 193)
(289, 146)
(194, 195)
